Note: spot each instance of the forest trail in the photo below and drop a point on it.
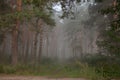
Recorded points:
(35, 78)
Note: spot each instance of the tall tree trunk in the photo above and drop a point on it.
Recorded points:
(35, 48)
(41, 44)
(26, 52)
(47, 45)
(35, 42)
(15, 36)
(41, 40)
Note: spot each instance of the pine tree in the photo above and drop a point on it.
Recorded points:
(111, 39)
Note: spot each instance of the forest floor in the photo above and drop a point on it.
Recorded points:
(4, 77)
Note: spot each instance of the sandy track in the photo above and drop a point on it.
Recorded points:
(34, 78)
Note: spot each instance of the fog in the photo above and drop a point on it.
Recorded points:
(72, 37)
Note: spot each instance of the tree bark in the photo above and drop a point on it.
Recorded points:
(47, 45)
(35, 41)
(35, 48)
(41, 44)
(15, 35)
(41, 40)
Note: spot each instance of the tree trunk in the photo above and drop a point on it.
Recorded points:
(35, 42)
(41, 44)
(15, 36)
(35, 48)
(47, 45)
(26, 52)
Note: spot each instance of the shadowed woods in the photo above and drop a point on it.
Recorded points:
(59, 39)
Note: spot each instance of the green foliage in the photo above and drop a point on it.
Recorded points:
(93, 67)
(44, 16)
(111, 37)
(95, 59)
(7, 69)
(8, 17)
(4, 20)
(4, 8)
(98, 0)
(1, 69)
(48, 61)
(37, 3)
(40, 9)
(54, 69)
(106, 66)
(111, 70)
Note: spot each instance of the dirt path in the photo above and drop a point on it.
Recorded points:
(34, 78)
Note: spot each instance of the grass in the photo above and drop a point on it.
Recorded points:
(92, 68)
(70, 70)
(107, 66)
(95, 67)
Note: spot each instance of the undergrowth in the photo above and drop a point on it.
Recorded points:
(73, 69)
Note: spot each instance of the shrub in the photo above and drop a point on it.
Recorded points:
(1, 69)
(9, 70)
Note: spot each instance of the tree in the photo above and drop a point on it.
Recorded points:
(111, 38)
(40, 16)
(15, 33)
(4, 19)
(12, 14)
